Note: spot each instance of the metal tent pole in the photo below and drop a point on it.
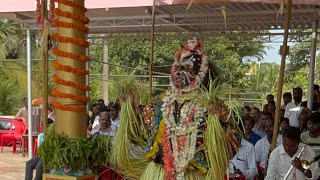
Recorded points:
(29, 94)
(312, 60)
(284, 53)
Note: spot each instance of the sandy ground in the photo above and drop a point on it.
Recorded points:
(12, 166)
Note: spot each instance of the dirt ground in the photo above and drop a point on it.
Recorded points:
(12, 166)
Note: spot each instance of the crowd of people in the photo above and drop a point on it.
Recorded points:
(299, 127)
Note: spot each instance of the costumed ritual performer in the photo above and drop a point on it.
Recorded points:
(189, 137)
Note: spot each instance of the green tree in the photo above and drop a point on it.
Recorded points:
(8, 98)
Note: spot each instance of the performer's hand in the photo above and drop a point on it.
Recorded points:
(297, 163)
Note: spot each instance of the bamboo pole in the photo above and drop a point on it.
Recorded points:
(44, 58)
(152, 50)
(284, 53)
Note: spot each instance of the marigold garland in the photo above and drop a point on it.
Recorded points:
(57, 93)
(51, 8)
(60, 53)
(72, 4)
(39, 18)
(79, 57)
(80, 27)
(79, 86)
(74, 108)
(80, 72)
(70, 15)
(76, 41)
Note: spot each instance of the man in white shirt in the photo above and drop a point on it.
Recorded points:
(104, 127)
(286, 154)
(114, 112)
(244, 162)
(294, 108)
(263, 145)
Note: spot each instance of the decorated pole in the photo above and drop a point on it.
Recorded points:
(70, 68)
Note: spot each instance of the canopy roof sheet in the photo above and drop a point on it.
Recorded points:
(127, 16)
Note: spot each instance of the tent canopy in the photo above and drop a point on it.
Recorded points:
(124, 16)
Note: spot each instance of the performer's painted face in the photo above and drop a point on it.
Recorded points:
(185, 68)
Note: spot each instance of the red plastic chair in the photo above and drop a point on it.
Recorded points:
(12, 123)
(35, 146)
(20, 130)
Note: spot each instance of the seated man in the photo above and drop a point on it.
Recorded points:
(259, 127)
(35, 162)
(244, 162)
(249, 135)
(286, 154)
(312, 136)
(104, 126)
(262, 147)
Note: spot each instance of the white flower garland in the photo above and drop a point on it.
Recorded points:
(185, 128)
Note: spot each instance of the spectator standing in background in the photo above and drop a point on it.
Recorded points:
(270, 97)
(294, 108)
(23, 112)
(287, 98)
(316, 104)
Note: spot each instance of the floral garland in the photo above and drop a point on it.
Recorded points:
(180, 136)
(57, 93)
(72, 4)
(79, 57)
(80, 72)
(58, 80)
(51, 8)
(74, 108)
(76, 41)
(39, 18)
(80, 27)
(167, 155)
(70, 15)
(60, 53)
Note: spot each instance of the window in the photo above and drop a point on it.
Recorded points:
(4, 125)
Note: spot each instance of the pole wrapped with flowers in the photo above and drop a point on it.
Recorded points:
(70, 67)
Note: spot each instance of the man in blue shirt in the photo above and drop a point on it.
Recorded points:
(249, 135)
